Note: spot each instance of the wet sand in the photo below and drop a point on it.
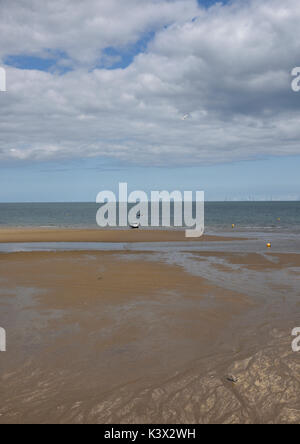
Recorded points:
(112, 236)
(128, 337)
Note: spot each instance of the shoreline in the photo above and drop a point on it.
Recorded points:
(38, 235)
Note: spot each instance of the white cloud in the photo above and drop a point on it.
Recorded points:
(229, 69)
(83, 29)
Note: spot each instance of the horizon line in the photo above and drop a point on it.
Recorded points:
(97, 203)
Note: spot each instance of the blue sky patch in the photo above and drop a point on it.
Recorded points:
(50, 63)
(121, 58)
(208, 3)
(29, 62)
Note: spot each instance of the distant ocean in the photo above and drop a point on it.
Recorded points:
(219, 216)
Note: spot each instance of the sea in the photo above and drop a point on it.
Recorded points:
(247, 217)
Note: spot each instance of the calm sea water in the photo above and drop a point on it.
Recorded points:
(219, 216)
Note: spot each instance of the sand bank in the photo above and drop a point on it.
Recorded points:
(22, 235)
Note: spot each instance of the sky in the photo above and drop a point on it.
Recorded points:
(97, 91)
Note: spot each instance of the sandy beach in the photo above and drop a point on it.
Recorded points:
(138, 337)
(10, 235)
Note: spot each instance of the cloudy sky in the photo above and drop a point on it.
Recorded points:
(97, 91)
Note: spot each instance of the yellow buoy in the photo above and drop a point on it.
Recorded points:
(233, 225)
(269, 245)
